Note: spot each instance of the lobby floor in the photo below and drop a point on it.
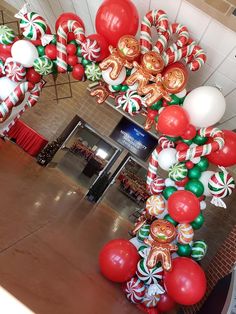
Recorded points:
(50, 239)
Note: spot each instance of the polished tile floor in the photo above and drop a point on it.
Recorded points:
(50, 238)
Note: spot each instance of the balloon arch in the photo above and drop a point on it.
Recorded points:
(159, 266)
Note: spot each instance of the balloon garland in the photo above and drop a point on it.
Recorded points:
(148, 79)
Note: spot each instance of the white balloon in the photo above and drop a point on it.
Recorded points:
(205, 179)
(136, 242)
(205, 106)
(120, 79)
(169, 182)
(24, 52)
(167, 158)
(203, 205)
(6, 87)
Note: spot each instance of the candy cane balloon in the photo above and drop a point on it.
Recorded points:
(159, 20)
(192, 152)
(62, 33)
(14, 98)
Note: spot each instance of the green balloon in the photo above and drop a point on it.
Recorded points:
(184, 249)
(156, 118)
(194, 173)
(69, 68)
(171, 220)
(85, 62)
(168, 191)
(54, 41)
(188, 142)
(195, 186)
(117, 88)
(79, 53)
(124, 88)
(128, 72)
(203, 164)
(181, 100)
(173, 139)
(73, 42)
(175, 100)
(41, 51)
(54, 68)
(157, 105)
(199, 140)
(198, 222)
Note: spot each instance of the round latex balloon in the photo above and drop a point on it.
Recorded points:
(186, 283)
(24, 52)
(120, 79)
(183, 206)
(6, 87)
(205, 106)
(167, 158)
(118, 260)
(116, 18)
(173, 121)
(226, 156)
(205, 176)
(166, 303)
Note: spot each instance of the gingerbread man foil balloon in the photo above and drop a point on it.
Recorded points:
(162, 233)
(151, 65)
(128, 49)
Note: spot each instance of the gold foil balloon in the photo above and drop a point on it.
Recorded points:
(162, 233)
(175, 78)
(127, 50)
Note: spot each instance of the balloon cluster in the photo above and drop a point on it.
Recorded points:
(150, 79)
(24, 62)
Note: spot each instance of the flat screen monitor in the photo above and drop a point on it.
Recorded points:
(134, 138)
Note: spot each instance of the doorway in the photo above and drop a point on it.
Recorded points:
(85, 155)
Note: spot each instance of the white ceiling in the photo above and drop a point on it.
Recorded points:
(218, 41)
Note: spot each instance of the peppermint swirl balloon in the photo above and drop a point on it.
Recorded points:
(221, 184)
(1, 68)
(43, 65)
(150, 300)
(134, 290)
(90, 50)
(149, 276)
(184, 233)
(178, 171)
(33, 25)
(143, 232)
(93, 72)
(143, 251)
(7, 35)
(199, 250)
(130, 102)
(15, 71)
(155, 205)
(157, 185)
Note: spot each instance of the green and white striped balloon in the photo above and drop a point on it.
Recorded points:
(178, 171)
(7, 35)
(199, 250)
(143, 232)
(43, 65)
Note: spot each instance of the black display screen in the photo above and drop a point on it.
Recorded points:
(134, 138)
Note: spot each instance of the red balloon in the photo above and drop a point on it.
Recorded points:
(103, 45)
(190, 132)
(181, 146)
(64, 17)
(151, 114)
(51, 51)
(186, 282)
(173, 121)
(148, 310)
(183, 206)
(78, 72)
(118, 260)
(72, 60)
(189, 164)
(33, 76)
(182, 182)
(71, 49)
(166, 303)
(116, 18)
(226, 156)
